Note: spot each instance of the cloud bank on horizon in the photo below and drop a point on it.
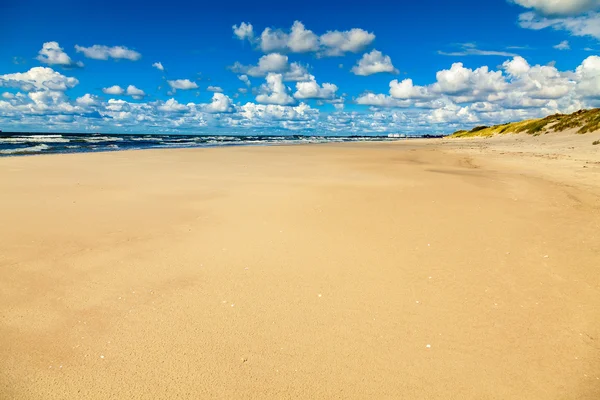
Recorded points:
(366, 86)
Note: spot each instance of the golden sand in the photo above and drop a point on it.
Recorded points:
(412, 270)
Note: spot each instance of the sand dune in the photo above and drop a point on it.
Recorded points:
(412, 270)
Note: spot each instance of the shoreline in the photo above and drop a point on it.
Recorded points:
(33, 144)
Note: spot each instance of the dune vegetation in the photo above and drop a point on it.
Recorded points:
(583, 121)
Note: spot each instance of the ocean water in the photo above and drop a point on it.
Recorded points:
(28, 144)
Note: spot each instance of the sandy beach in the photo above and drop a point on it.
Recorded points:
(434, 269)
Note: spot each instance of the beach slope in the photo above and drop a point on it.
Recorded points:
(347, 271)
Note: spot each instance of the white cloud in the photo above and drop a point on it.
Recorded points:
(268, 112)
(492, 95)
(101, 52)
(588, 78)
(584, 25)
(114, 90)
(244, 78)
(406, 90)
(539, 82)
(516, 67)
(272, 63)
(337, 43)
(461, 80)
(134, 92)
(50, 101)
(220, 104)
(299, 39)
(38, 78)
(52, 54)
(172, 105)
(470, 49)
(373, 63)
(214, 89)
(274, 91)
(302, 40)
(296, 73)
(159, 66)
(452, 113)
(560, 7)
(87, 100)
(380, 100)
(243, 31)
(564, 45)
(311, 90)
(8, 95)
(183, 84)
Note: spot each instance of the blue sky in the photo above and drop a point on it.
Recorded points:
(313, 67)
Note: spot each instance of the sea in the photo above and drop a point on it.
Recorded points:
(16, 144)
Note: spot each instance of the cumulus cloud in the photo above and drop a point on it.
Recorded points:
(337, 43)
(299, 39)
(182, 84)
(274, 91)
(272, 63)
(214, 89)
(158, 66)
(244, 78)
(243, 31)
(272, 112)
(220, 104)
(311, 90)
(134, 92)
(588, 78)
(518, 90)
(101, 52)
(380, 100)
(52, 54)
(461, 80)
(559, 7)
(87, 100)
(38, 78)
(296, 72)
(115, 90)
(171, 106)
(373, 63)
(406, 90)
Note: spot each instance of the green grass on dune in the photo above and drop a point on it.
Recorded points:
(585, 120)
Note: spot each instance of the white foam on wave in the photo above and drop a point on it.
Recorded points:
(100, 139)
(146, 138)
(32, 149)
(35, 139)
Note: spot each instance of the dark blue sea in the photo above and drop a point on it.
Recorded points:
(14, 144)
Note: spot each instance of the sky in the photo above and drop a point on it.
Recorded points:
(311, 67)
